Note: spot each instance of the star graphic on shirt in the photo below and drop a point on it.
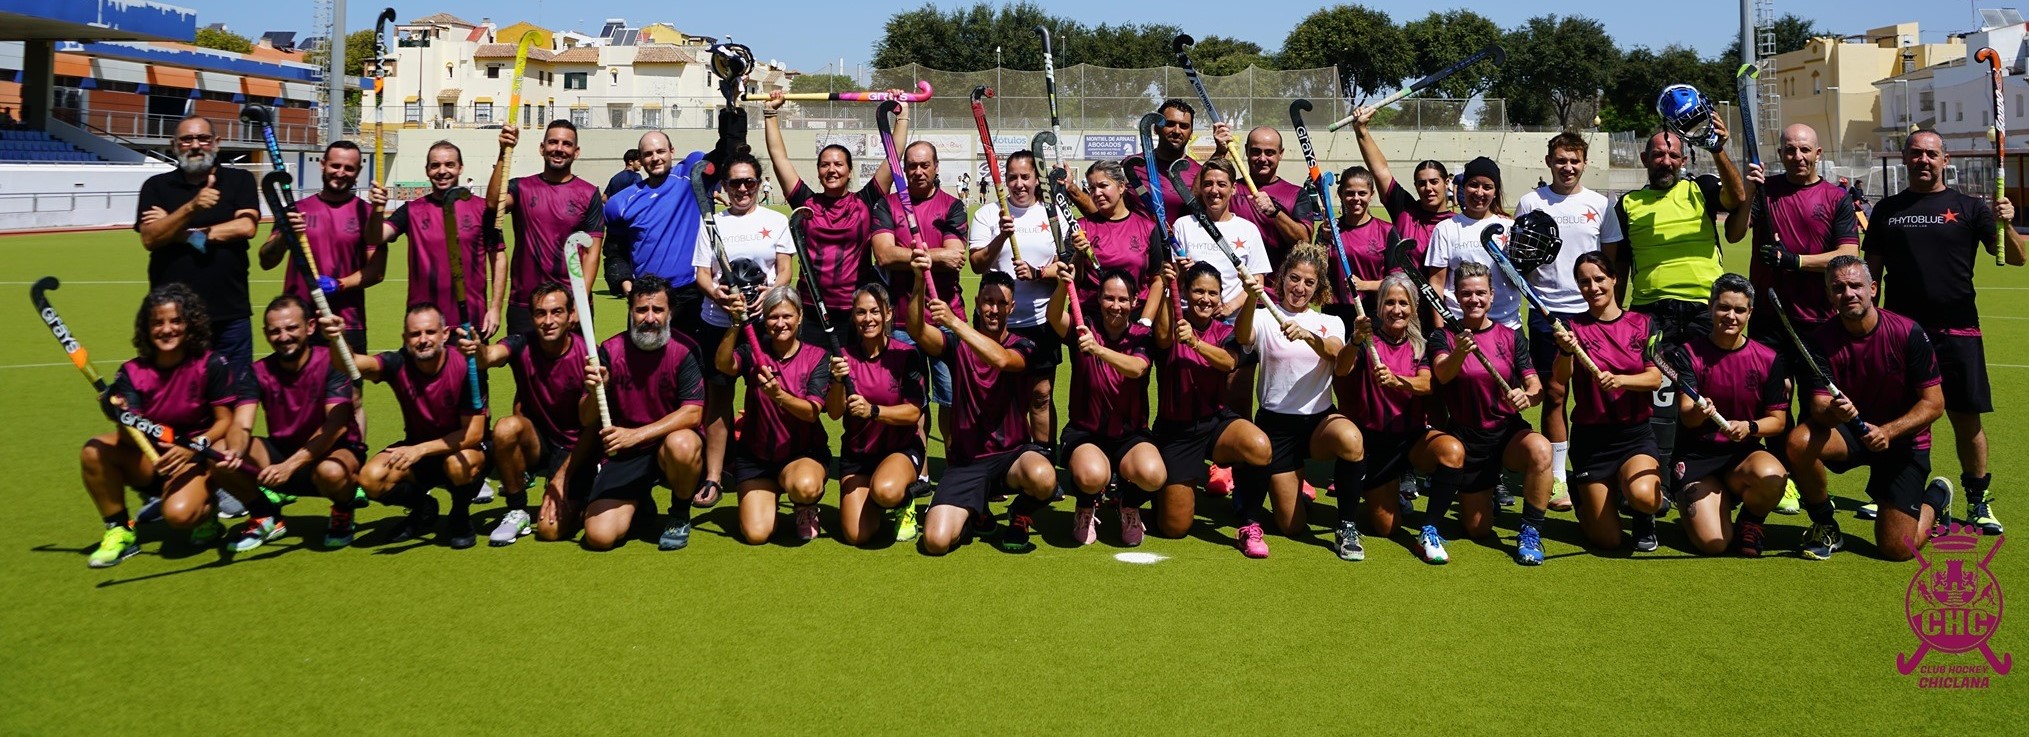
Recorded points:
(1950, 216)
(1591, 214)
(764, 232)
(1239, 245)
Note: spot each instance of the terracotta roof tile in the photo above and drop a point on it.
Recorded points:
(663, 54)
(506, 51)
(579, 55)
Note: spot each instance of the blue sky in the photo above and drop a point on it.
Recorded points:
(807, 34)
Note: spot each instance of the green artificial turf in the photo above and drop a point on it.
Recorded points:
(730, 638)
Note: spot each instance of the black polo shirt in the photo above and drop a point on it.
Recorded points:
(219, 274)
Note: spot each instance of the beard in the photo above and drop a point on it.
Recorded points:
(648, 338)
(1663, 178)
(196, 162)
(424, 352)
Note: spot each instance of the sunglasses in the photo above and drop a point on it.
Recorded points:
(743, 182)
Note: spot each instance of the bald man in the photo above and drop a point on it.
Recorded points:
(1813, 218)
(1273, 209)
(656, 220)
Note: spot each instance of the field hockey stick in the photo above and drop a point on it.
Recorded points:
(701, 188)
(1065, 252)
(281, 201)
(456, 252)
(1204, 221)
(1676, 367)
(1400, 257)
(1182, 46)
(1492, 52)
(979, 94)
(81, 358)
(1529, 295)
(499, 188)
(923, 92)
(574, 246)
(884, 117)
(799, 219)
(1050, 94)
(1750, 141)
(387, 15)
(2000, 134)
(1057, 184)
(1857, 426)
(1152, 196)
(1322, 187)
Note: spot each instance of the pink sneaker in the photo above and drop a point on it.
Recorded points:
(1085, 526)
(1220, 481)
(1250, 541)
(807, 528)
(1130, 526)
(1309, 492)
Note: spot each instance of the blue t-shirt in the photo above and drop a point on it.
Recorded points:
(626, 178)
(659, 224)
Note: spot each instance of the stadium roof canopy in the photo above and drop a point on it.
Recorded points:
(95, 20)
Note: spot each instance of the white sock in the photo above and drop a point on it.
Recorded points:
(1559, 452)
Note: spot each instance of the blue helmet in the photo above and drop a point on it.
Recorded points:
(1688, 113)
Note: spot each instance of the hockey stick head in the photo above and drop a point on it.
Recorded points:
(257, 114)
(1296, 110)
(1496, 54)
(1401, 256)
(884, 117)
(454, 194)
(35, 295)
(1041, 139)
(1674, 362)
(701, 188)
(1182, 46)
(1044, 31)
(1176, 179)
(981, 92)
(1988, 55)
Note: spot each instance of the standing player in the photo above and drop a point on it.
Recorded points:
(1614, 449)
(619, 259)
(1490, 423)
(1885, 365)
(752, 234)
(548, 207)
(1108, 434)
(628, 175)
(195, 222)
(994, 237)
(652, 383)
(442, 432)
(179, 382)
(1365, 238)
(344, 233)
(964, 185)
(1117, 237)
(783, 449)
(881, 450)
(1718, 466)
(537, 439)
(941, 223)
(1457, 240)
(1272, 210)
(484, 257)
(1172, 142)
(656, 223)
(1923, 245)
(1579, 213)
(1413, 216)
(313, 447)
(841, 224)
(1388, 397)
(989, 450)
(1195, 355)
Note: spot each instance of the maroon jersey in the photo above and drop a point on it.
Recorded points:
(838, 233)
(1617, 347)
(643, 387)
(1473, 398)
(1366, 251)
(895, 378)
(295, 402)
(179, 397)
(432, 405)
(1410, 220)
(1284, 194)
(1130, 243)
(1104, 402)
(1191, 388)
(1374, 407)
(939, 219)
(1812, 219)
(546, 388)
(766, 430)
(430, 265)
(335, 233)
(1744, 384)
(1883, 372)
(1172, 200)
(544, 215)
(1926, 244)
(992, 405)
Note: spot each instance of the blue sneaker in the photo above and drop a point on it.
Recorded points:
(1433, 546)
(1529, 548)
(1821, 541)
(675, 536)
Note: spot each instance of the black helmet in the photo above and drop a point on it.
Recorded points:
(1535, 240)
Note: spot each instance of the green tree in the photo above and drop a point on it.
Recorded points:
(1556, 67)
(223, 40)
(823, 83)
(358, 51)
(964, 39)
(1441, 39)
(1363, 43)
(1792, 32)
(1630, 100)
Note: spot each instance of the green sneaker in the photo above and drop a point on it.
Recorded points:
(116, 546)
(908, 525)
(255, 533)
(280, 499)
(1869, 510)
(1982, 514)
(1791, 502)
(206, 533)
(1560, 496)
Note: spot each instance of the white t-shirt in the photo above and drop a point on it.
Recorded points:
(757, 235)
(1294, 379)
(1240, 234)
(1032, 234)
(1579, 216)
(1456, 241)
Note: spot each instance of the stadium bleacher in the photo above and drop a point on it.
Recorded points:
(29, 146)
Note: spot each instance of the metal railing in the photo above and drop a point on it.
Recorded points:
(156, 130)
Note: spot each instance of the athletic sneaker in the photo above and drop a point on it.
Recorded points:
(228, 507)
(1408, 505)
(151, 511)
(338, 534)
(1015, 538)
(1346, 542)
(1433, 545)
(1219, 480)
(1645, 533)
(1309, 492)
(1085, 526)
(1943, 523)
(1131, 530)
(486, 492)
(675, 536)
(908, 525)
(1529, 548)
(206, 533)
(420, 522)
(1791, 503)
(256, 532)
(1821, 541)
(1249, 541)
(512, 526)
(807, 528)
(1869, 510)
(1747, 539)
(462, 533)
(1560, 496)
(1982, 514)
(117, 545)
(280, 499)
(1502, 497)
(1411, 484)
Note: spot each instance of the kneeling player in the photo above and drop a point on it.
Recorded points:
(443, 425)
(549, 385)
(989, 451)
(656, 392)
(1387, 398)
(1195, 355)
(1745, 381)
(1108, 432)
(1884, 362)
(313, 444)
(782, 447)
(1613, 450)
(1488, 422)
(881, 450)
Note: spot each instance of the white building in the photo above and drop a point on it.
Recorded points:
(1956, 99)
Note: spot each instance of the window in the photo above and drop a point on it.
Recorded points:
(524, 113)
(617, 115)
(615, 73)
(493, 71)
(412, 112)
(575, 80)
(651, 117)
(581, 117)
(450, 71)
(482, 113)
(447, 111)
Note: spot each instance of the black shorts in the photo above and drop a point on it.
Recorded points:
(684, 305)
(355, 338)
(1701, 461)
(1387, 457)
(971, 484)
(747, 467)
(1895, 477)
(708, 341)
(1678, 320)
(1543, 348)
(1598, 451)
(864, 464)
(812, 331)
(1114, 448)
(550, 456)
(1187, 446)
(1483, 451)
(427, 472)
(618, 262)
(1288, 437)
(1962, 364)
(303, 483)
(631, 478)
(1049, 348)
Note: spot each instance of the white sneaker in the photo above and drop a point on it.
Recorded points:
(1433, 545)
(486, 492)
(510, 529)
